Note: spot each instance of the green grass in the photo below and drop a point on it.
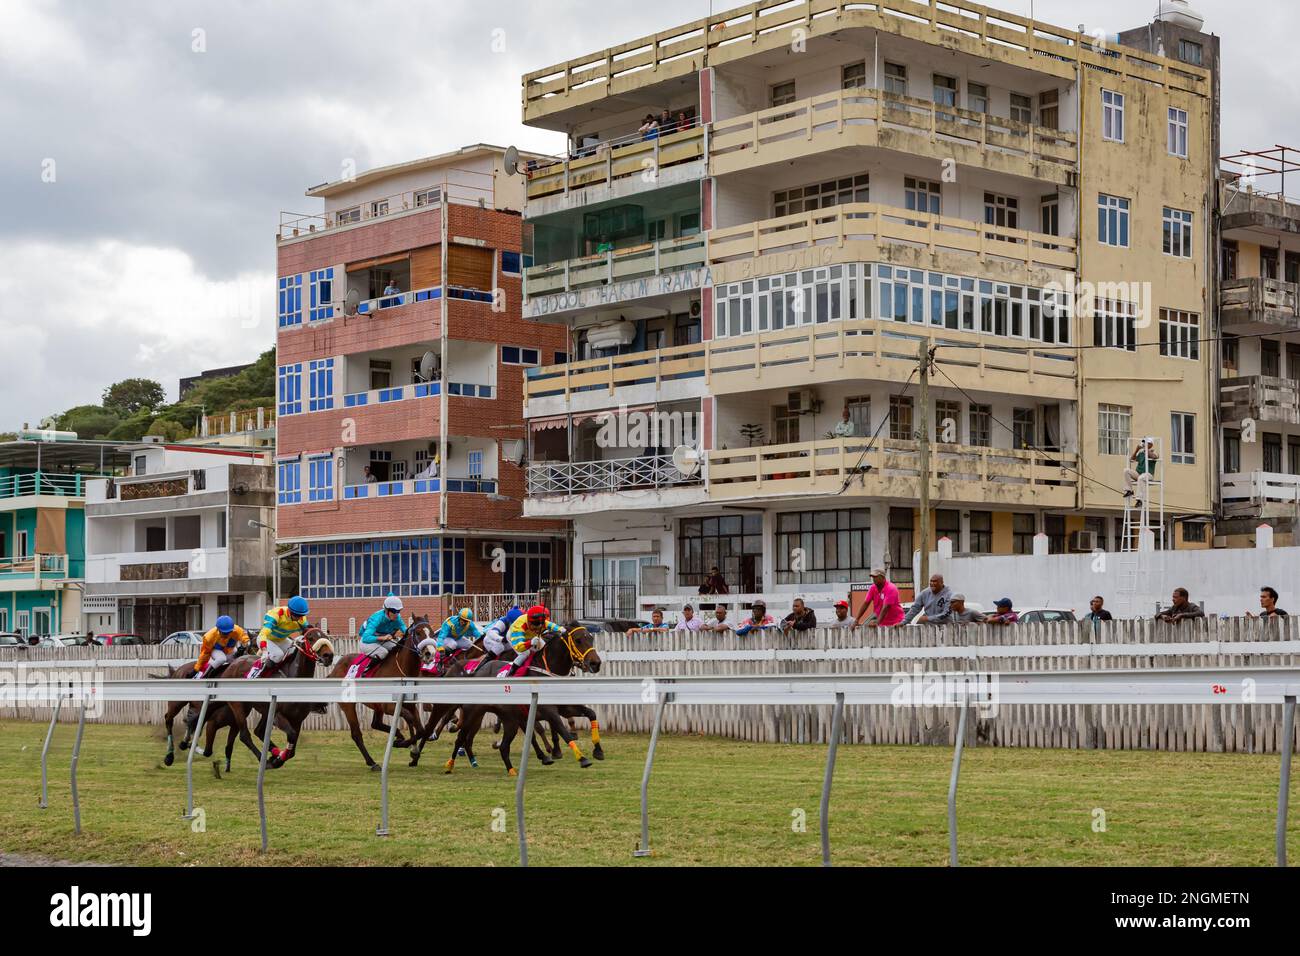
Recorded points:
(712, 801)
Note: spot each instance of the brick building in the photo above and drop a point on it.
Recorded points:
(401, 353)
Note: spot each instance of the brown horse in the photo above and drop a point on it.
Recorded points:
(569, 650)
(218, 714)
(403, 660)
(309, 649)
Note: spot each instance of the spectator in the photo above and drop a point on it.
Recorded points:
(689, 621)
(1097, 613)
(656, 623)
(882, 607)
(959, 613)
(931, 605)
(720, 621)
(1003, 614)
(714, 583)
(844, 427)
(666, 123)
(1181, 609)
(430, 470)
(842, 619)
(758, 619)
(1141, 470)
(392, 288)
(649, 127)
(802, 618)
(368, 475)
(1268, 604)
(684, 122)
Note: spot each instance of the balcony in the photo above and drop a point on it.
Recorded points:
(304, 225)
(46, 483)
(890, 468)
(663, 374)
(28, 573)
(1261, 494)
(869, 118)
(1259, 305)
(615, 170)
(1263, 398)
(237, 423)
(1247, 213)
(862, 232)
(564, 488)
(637, 272)
(398, 393)
(419, 486)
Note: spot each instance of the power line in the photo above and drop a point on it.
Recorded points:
(857, 468)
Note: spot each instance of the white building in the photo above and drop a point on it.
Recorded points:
(186, 536)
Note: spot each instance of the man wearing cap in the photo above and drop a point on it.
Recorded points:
(959, 613)
(931, 605)
(1003, 615)
(882, 607)
(842, 619)
(758, 619)
(1142, 468)
(381, 629)
(219, 645)
(688, 621)
(529, 634)
(459, 631)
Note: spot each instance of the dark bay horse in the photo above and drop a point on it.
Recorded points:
(563, 653)
(218, 715)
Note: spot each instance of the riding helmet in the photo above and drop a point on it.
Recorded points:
(225, 624)
(298, 605)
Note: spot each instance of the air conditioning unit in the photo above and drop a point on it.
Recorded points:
(801, 401)
(487, 549)
(1083, 542)
(610, 335)
(695, 308)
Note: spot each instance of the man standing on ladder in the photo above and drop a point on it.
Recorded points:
(1141, 470)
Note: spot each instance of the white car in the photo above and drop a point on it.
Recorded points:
(916, 622)
(187, 638)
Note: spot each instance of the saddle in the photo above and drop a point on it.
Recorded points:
(361, 666)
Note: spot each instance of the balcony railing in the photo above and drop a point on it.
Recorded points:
(34, 567)
(653, 366)
(398, 393)
(773, 135)
(890, 468)
(479, 190)
(1261, 487)
(45, 483)
(1264, 398)
(622, 474)
(1262, 302)
(635, 262)
(420, 486)
(616, 161)
(872, 222)
(234, 423)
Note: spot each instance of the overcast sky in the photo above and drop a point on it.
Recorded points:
(151, 252)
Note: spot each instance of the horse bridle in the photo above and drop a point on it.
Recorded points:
(579, 658)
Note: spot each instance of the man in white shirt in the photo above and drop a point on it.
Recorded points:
(688, 621)
(430, 470)
(720, 622)
(844, 427)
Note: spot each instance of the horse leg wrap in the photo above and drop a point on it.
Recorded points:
(595, 732)
(573, 748)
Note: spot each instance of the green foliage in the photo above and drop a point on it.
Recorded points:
(133, 428)
(132, 395)
(88, 421)
(169, 430)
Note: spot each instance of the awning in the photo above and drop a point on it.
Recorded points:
(543, 424)
(381, 261)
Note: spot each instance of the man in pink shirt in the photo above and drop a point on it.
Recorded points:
(882, 607)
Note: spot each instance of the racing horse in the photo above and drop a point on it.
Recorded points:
(561, 654)
(312, 647)
(219, 716)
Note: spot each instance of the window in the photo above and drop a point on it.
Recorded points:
(1231, 451)
(656, 229)
(511, 263)
(1112, 116)
(688, 223)
(836, 546)
(381, 373)
(378, 208)
(1112, 220)
(426, 567)
(289, 383)
(1049, 109)
(900, 417)
(732, 543)
(320, 478)
(947, 524)
(1194, 532)
(1230, 351)
(945, 92)
(141, 463)
(1182, 450)
(1180, 334)
(853, 76)
(1022, 108)
(1178, 233)
(947, 422)
(1190, 52)
(783, 93)
(922, 195)
(1050, 215)
(428, 197)
(981, 532)
(288, 481)
(1230, 251)
(895, 79)
(322, 295)
(320, 384)
(981, 425)
(1272, 452)
(290, 303)
(833, 192)
(23, 545)
(1270, 358)
(1023, 428)
(221, 528)
(1114, 429)
(475, 464)
(517, 355)
(1054, 527)
(1100, 527)
(1001, 211)
(977, 97)
(1292, 455)
(1022, 534)
(859, 409)
(344, 216)
(901, 545)
(1114, 325)
(1177, 132)
(1268, 263)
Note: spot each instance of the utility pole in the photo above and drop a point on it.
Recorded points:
(923, 442)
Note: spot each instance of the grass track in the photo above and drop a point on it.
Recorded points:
(712, 801)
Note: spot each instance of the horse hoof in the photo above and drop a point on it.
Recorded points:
(185, 745)
(547, 761)
(598, 753)
(375, 767)
(513, 772)
(473, 762)
(584, 762)
(169, 760)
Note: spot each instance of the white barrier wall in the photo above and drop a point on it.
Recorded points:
(1223, 581)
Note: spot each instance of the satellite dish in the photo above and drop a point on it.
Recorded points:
(686, 460)
(351, 303)
(426, 366)
(512, 161)
(513, 451)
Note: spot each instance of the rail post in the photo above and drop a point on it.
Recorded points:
(952, 785)
(523, 773)
(837, 729)
(643, 848)
(382, 829)
(189, 759)
(76, 757)
(1284, 783)
(45, 752)
(261, 769)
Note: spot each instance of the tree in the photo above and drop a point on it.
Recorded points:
(88, 421)
(171, 431)
(133, 428)
(132, 395)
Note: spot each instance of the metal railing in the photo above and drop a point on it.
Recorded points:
(233, 423)
(293, 225)
(419, 486)
(619, 474)
(618, 265)
(603, 164)
(45, 483)
(35, 566)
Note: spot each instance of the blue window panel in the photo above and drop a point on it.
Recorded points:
(320, 478)
(288, 482)
(510, 263)
(453, 388)
(289, 389)
(510, 354)
(290, 301)
(391, 394)
(322, 295)
(485, 391)
(352, 401)
(428, 389)
(320, 384)
(355, 491)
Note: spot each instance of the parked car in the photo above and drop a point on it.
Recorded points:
(120, 639)
(11, 639)
(1045, 615)
(188, 638)
(61, 640)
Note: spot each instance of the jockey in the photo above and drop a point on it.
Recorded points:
(459, 631)
(528, 634)
(280, 626)
(380, 628)
(219, 645)
(494, 637)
